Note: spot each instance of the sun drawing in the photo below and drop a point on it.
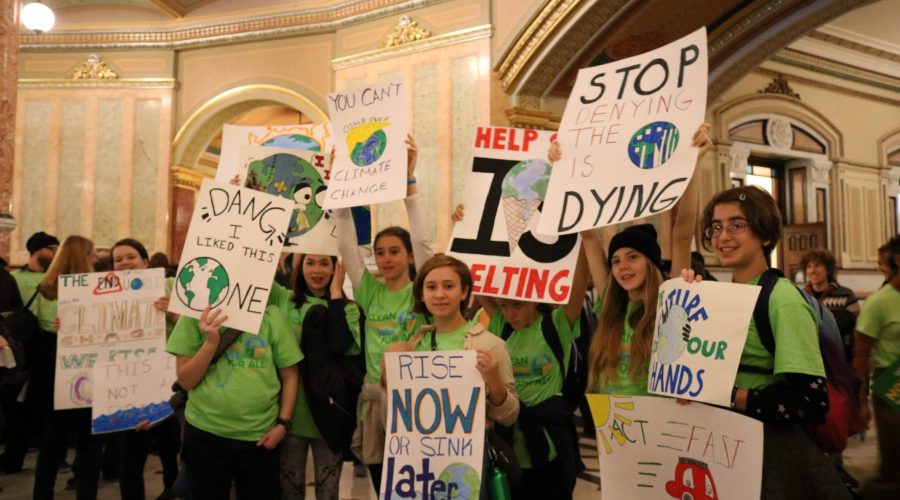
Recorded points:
(610, 423)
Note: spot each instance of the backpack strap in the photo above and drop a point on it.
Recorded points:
(226, 339)
(33, 296)
(507, 331)
(551, 337)
(761, 312)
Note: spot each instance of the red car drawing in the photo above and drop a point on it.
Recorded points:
(693, 481)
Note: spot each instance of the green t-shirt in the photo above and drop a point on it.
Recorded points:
(238, 397)
(448, 341)
(170, 285)
(880, 319)
(796, 339)
(389, 318)
(536, 371)
(624, 384)
(42, 307)
(282, 298)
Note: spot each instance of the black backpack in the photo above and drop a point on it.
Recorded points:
(21, 329)
(575, 376)
(331, 379)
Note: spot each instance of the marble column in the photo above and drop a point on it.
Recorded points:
(186, 183)
(9, 71)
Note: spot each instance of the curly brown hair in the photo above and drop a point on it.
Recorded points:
(762, 213)
(823, 257)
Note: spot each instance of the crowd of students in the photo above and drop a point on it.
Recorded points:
(250, 426)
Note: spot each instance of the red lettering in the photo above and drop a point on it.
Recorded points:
(537, 282)
(511, 273)
(499, 138)
(487, 281)
(512, 140)
(476, 277)
(530, 136)
(559, 293)
(483, 137)
(319, 160)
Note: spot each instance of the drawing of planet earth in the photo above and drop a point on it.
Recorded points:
(202, 282)
(468, 484)
(302, 142)
(366, 143)
(671, 342)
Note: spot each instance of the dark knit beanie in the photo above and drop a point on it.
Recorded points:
(40, 240)
(642, 238)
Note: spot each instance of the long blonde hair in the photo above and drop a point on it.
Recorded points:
(606, 346)
(73, 257)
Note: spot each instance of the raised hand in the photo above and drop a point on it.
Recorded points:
(337, 281)
(554, 154)
(210, 322)
(412, 154)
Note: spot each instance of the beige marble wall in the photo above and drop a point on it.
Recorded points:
(93, 161)
(449, 96)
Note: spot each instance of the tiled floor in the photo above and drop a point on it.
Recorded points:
(860, 459)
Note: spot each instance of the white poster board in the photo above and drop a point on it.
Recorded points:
(699, 335)
(504, 193)
(104, 317)
(129, 392)
(301, 177)
(370, 125)
(307, 137)
(626, 135)
(654, 448)
(434, 445)
(230, 254)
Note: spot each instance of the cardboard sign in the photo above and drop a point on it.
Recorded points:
(435, 426)
(104, 317)
(652, 447)
(230, 254)
(504, 195)
(887, 386)
(625, 136)
(698, 339)
(302, 177)
(309, 137)
(128, 392)
(370, 125)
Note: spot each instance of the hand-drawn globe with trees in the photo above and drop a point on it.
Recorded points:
(468, 484)
(201, 283)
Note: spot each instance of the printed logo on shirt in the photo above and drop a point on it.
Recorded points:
(532, 370)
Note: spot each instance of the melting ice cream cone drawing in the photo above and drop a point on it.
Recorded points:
(523, 188)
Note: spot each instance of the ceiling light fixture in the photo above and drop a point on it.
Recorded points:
(38, 17)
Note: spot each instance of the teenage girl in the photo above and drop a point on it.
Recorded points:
(126, 255)
(318, 284)
(387, 304)
(75, 256)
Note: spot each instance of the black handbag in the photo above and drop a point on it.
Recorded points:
(501, 455)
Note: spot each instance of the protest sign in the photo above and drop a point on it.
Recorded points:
(698, 339)
(128, 392)
(652, 447)
(370, 125)
(104, 317)
(299, 176)
(497, 240)
(887, 386)
(625, 137)
(230, 254)
(435, 427)
(309, 137)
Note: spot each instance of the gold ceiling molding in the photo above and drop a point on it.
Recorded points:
(434, 42)
(122, 83)
(532, 38)
(828, 86)
(186, 178)
(837, 69)
(779, 85)
(523, 117)
(406, 31)
(305, 21)
(94, 69)
(850, 44)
